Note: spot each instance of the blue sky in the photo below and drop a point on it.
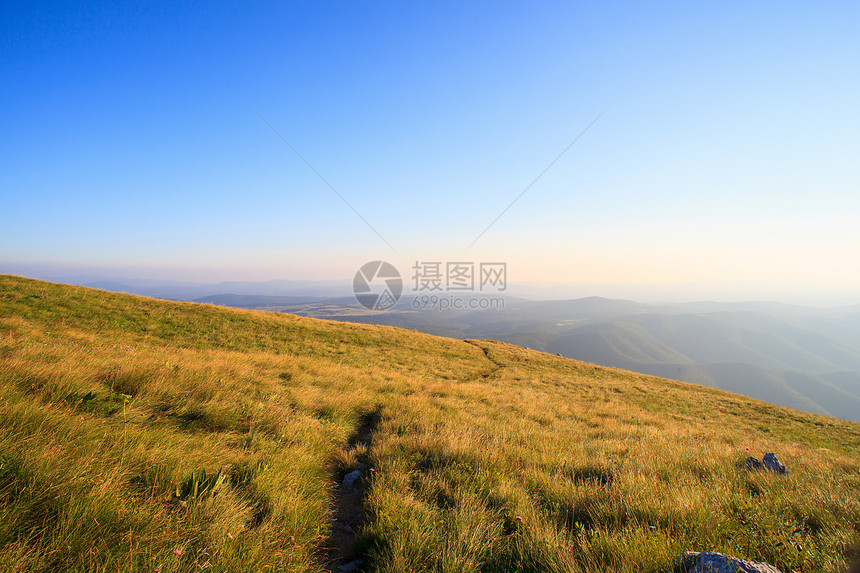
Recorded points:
(727, 154)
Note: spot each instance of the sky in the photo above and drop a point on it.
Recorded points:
(713, 143)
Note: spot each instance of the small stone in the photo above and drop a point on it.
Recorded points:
(711, 562)
(350, 479)
(351, 566)
(770, 462)
(753, 464)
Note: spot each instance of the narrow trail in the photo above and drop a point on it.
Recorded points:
(497, 365)
(348, 512)
(348, 515)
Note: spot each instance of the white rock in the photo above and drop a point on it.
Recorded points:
(350, 479)
(711, 562)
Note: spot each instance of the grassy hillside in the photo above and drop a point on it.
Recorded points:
(806, 359)
(154, 436)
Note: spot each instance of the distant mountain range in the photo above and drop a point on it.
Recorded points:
(795, 356)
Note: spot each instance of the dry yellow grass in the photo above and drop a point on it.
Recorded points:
(142, 435)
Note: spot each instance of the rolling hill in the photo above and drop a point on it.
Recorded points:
(792, 356)
(148, 435)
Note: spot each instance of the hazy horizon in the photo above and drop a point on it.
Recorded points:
(653, 293)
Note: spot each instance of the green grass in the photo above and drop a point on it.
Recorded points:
(140, 435)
